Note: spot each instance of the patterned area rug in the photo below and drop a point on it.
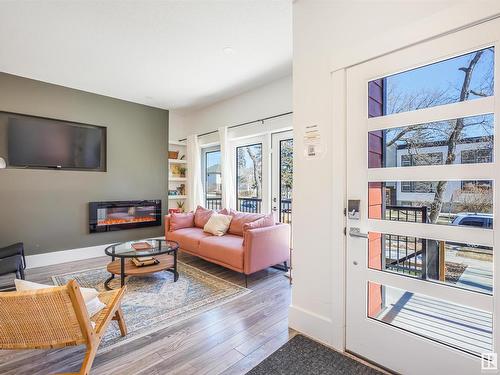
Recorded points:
(154, 302)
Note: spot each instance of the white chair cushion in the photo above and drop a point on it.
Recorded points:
(92, 302)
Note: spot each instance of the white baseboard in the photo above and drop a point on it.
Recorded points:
(313, 325)
(64, 256)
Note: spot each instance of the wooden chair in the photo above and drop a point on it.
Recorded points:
(57, 317)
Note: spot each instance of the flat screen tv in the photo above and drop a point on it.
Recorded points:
(34, 142)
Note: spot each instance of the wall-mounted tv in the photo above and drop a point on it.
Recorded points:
(36, 142)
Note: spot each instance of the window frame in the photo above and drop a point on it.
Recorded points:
(205, 151)
(261, 144)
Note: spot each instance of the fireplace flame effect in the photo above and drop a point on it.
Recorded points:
(114, 221)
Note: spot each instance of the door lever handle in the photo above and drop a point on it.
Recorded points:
(356, 232)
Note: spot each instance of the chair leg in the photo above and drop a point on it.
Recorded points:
(121, 321)
(88, 360)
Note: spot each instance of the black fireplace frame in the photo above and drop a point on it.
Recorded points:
(93, 206)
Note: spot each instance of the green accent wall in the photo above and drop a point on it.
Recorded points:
(48, 209)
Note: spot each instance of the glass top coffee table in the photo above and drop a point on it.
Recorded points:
(163, 251)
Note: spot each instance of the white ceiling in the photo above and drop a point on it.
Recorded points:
(167, 54)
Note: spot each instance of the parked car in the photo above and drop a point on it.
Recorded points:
(474, 220)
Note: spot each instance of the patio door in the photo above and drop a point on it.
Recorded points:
(423, 205)
(282, 176)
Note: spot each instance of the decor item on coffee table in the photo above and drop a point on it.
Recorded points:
(164, 251)
(55, 318)
(153, 302)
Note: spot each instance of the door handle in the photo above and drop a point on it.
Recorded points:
(356, 232)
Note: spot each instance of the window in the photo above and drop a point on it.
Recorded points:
(483, 155)
(433, 85)
(430, 158)
(213, 179)
(249, 177)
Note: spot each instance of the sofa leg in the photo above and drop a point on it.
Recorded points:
(285, 263)
(246, 281)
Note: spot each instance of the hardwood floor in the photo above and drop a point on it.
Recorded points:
(229, 339)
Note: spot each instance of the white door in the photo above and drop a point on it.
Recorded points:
(282, 176)
(421, 287)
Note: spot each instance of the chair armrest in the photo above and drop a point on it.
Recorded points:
(265, 247)
(15, 249)
(167, 225)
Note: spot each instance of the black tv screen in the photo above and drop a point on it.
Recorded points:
(45, 143)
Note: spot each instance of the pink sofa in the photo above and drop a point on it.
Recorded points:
(261, 248)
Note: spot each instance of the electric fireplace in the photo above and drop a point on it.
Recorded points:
(119, 215)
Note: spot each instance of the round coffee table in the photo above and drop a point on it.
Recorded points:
(164, 251)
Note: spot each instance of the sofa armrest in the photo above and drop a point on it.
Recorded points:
(265, 247)
(167, 224)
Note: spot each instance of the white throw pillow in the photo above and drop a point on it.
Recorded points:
(92, 302)
(218, 224)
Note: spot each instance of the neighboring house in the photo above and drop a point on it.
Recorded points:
(469, 151)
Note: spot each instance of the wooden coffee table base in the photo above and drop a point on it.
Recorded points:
(124, 267)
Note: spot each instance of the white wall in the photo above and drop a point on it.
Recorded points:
(264, 101)
(328, 36)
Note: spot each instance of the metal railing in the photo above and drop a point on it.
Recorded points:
(252, 205)
(286, 211)
(213, 203)
(406, 254)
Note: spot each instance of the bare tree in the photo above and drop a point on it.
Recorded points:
(256, 162)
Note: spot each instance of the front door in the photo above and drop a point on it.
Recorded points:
(422, 219)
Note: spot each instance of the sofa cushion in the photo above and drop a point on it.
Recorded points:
(240, 219)
(181, 220)
(218, 224)
(227, 249)
(188, 238)
(266, 221)
(201, 216)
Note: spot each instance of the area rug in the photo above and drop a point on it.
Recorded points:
(154, 302)
(302, 355)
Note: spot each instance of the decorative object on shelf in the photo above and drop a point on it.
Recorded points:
(175, 170)
(144, 261)
(3, 164)
(181, 190)
(173, 154)
(183, 157)
(174, 211)
(180, 206)
(182, 171)
(173, 192)
(141, 246)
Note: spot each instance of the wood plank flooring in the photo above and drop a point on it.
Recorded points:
(229, 339)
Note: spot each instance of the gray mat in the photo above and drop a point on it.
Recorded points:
(304, 356)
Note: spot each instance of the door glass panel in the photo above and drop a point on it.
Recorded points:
(459, 326)
(458, 79)
(467, 202)
(470, 138)
(249, 177)
(467, 266)
(286, 180)
(213, 180)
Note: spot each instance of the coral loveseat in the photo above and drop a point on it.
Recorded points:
(246, 251)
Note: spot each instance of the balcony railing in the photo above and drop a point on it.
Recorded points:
(406, 254)
(213, 203)
(286, 211)
(252, 205)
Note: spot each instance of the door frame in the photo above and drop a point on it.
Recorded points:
(339, 82)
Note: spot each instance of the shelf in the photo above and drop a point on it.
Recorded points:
(177, 161)
(177, 197)
(171, 179)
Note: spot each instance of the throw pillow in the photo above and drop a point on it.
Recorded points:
(266, 221)
(201, 216)
(181, 220)
(90, 295)
(240, 219)
(218, 224)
